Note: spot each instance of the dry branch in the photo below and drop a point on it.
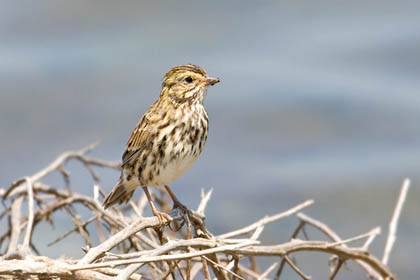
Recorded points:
(394, 221)
(132, 246)
(266, 220)
(334, 237)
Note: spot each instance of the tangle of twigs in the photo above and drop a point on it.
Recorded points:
(133, 246)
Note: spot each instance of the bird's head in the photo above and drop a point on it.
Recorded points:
(187, 83)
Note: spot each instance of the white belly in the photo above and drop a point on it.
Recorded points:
(172, 171)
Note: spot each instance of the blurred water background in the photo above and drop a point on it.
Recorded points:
(318, 99)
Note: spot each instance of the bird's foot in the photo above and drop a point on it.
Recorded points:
(163, 218)
(180, 210)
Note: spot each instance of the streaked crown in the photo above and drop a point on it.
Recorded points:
(187, 83)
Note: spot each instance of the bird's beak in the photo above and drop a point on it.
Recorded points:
(209, 81)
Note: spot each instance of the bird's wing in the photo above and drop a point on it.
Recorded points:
(142, 135)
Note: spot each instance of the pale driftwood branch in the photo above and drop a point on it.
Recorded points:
(41, 266)
(121, 236)
(205, 197)
(370, 239)
(223, 268)
(319, 225)
(296, 269)
(170, 246)
(196, 268)
(266, 220)
(206, 269)
(392, 234)
(54, 166)
(250, 272)
(141, 248)
(320, 246)
(267, 271)
(75, 229)
(336, 269)
(28, 233)
(294, 235)
(115, 272)
(128, 271)
(334, 237)
(182, 256)
(372, 232)
(128, 231)
(14, 226)
(59, 162)
(218, 272)
(245, 249)
(116, 239)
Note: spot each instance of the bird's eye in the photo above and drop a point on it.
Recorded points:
(188, 79)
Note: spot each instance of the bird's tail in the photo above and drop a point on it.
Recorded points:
(122, 192)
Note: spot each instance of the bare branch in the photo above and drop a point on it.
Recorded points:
(294, 235)
(265, 273)
(266, 220)
(72, 230)
(141, 248)
(57, 164)
(205, 197)
(15, 227)
(369, 234)
(336, 269)
(41, 266)
(182, 256)
(30, 224)
(295, 268)
(333, 236)
(392, 234)
(222, 267)
(280, 250)
(205, 268)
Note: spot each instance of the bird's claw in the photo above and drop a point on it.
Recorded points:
(163, 218)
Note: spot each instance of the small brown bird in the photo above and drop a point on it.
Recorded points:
(168, 138)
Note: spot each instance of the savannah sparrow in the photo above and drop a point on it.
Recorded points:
(167, 139)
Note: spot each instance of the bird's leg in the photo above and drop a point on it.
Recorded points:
(177, 203)
(180, 206)
(190, 217)
(163, 217)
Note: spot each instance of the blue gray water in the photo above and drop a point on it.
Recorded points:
(318, 99)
